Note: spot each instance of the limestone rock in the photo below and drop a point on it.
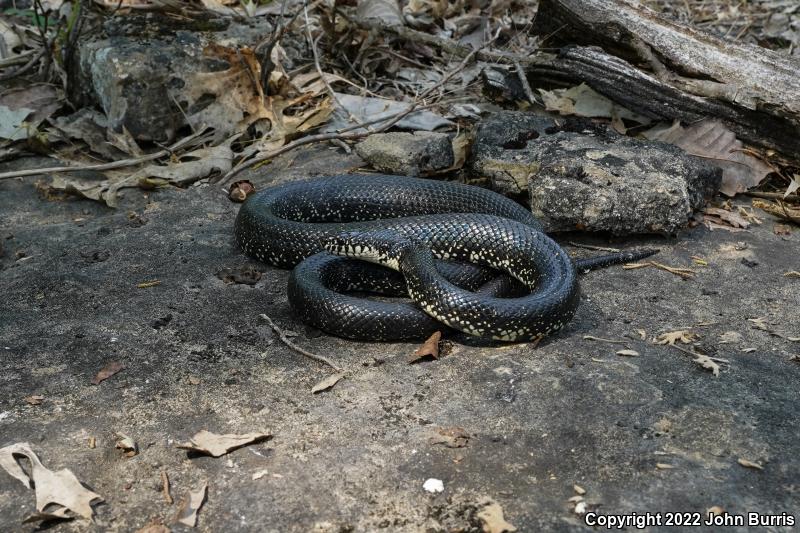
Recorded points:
(144, 71)
(586, 177)
(410, 154)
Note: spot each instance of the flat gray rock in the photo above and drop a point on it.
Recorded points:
(651, 433)
(153, 75)
(579, 176)
(410, 154)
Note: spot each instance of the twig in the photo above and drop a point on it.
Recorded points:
(597, 248)
(600, 339)
(695, 354)
(26, 67)
(322, 77)
(183, 143)
(285, 340)
(773, 196)
(685, 273)
(17, 59)
(523, 79)
(347, 133)
(449, 46)
(165, 487)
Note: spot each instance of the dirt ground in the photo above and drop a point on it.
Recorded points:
(653, 433)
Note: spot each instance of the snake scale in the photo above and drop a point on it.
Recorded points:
(424, 231)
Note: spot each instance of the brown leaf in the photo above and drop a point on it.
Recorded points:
(730, 337)
(628, 353)
(127, 445)
(782, 229)
(60, 488)
(429, 349)
(759, 323)
(707, 363)
(452, 437)
(671, 337)
(23, 109)
(583, 101)
(493, 520)
(711, 140)
(327, 383)
(34, 400)
(723, 216)
(107, 371)
(750, 464)
(190, 506)
(154, 526)
(218, 445)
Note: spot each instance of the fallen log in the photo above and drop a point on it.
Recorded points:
(665, 70)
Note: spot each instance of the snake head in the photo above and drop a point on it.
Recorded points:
(383, 247)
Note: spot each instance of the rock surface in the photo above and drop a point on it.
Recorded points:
(145, 72)
(579, 176)
(354, 458)
(409, 154)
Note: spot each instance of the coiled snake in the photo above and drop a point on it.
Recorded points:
(424, 231)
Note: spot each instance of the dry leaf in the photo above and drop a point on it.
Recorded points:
(107, 371)
(715, 510)
(671, 337)
(711, 140)
(579, 490)
(190, 506)
(750, 464)
(583, 101)
(91, 127)
(780, 209)
(327, 383)
(452, 437)
(722, 216)
(385, 11)
(794, 185)
(127, 445)
(190, 167)
(365, 109)
(664, 466)
(61, 488)
(155, 526)
(34, 400)
(218, 445)
(707, 363)
(429, 349)
(730, 337)
(782, 229)
(492, 517)
(259, 474)
(759, 323)
(628, 353)
(22, 110)
(791, 274)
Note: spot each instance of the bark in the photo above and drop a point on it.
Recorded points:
(668, 71)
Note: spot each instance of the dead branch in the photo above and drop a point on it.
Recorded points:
(187, 142)
(284, 339)
(347, 134)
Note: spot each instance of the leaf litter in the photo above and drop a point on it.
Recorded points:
(107, 371)
(216, 445)
(190, 506)
(711, 140)
(58, 494)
